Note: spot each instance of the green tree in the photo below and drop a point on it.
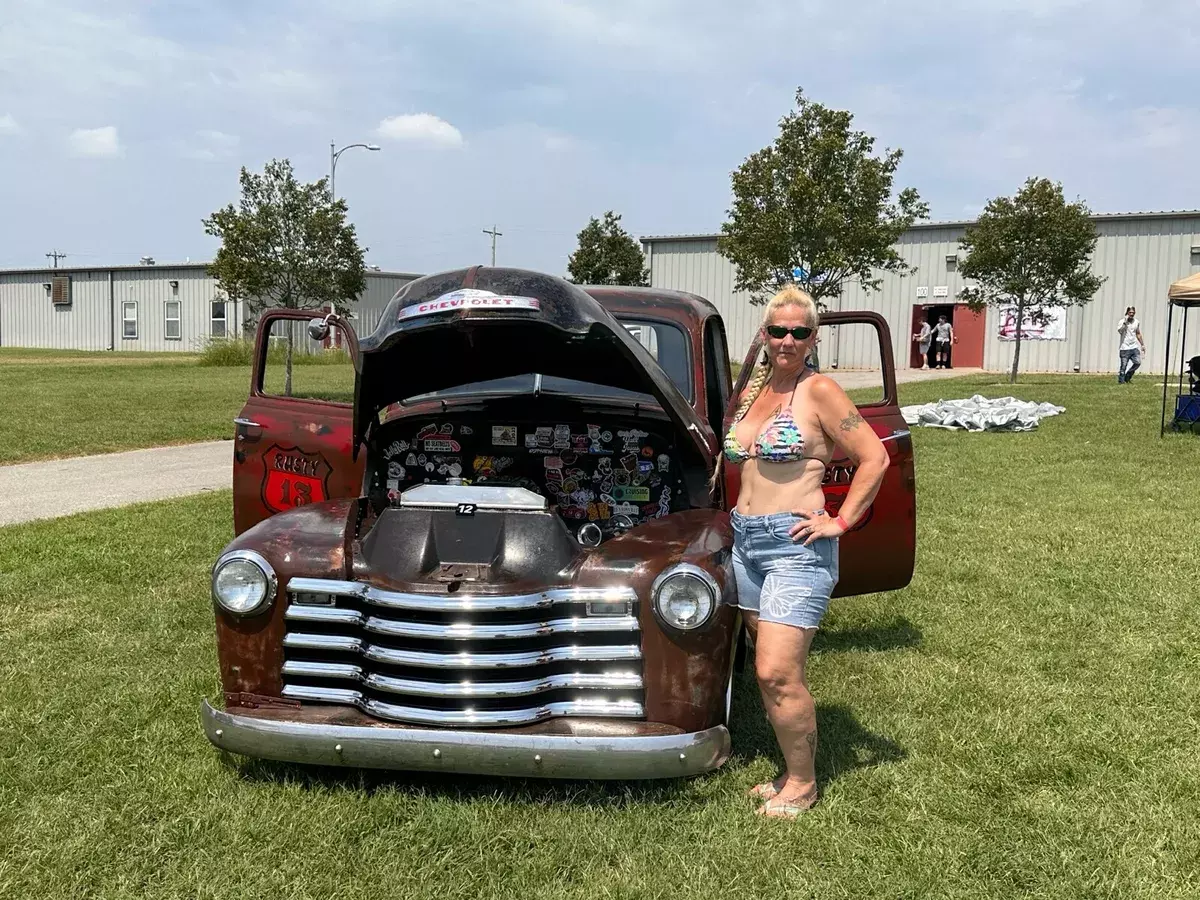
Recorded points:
(816, 199)
(1032, 252)
(286, 244)
(607, 254)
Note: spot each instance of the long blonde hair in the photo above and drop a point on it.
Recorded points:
(790, 295)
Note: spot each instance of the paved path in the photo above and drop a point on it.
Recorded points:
(61, 487)
(860, 378)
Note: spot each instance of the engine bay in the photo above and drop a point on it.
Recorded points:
(616, 475)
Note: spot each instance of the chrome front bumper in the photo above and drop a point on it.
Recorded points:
(469, 752)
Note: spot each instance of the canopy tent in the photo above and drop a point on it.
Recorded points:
(1186, 291)
(1185, 294)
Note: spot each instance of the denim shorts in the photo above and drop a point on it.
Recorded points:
(782, 579)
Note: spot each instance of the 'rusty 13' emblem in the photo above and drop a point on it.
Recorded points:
(836, 485)
(294, 478)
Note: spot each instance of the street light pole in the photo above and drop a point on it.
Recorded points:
(333, 158)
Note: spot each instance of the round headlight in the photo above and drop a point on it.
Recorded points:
(685, 596)
(243, 582)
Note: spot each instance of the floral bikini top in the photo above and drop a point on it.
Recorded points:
(780, 441)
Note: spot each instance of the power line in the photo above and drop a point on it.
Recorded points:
(56, 256)
(495, 234)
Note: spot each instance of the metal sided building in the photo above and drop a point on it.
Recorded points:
(142, 307)
(1139, 254)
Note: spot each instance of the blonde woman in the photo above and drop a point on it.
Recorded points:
(788, 423)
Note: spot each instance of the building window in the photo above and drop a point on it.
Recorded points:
(129, 320)
(218, 318)
(173, 332)
(951, 263)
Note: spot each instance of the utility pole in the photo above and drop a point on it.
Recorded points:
(495, 234)
(56, 256)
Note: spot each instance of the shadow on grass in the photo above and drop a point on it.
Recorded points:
(439, 786)
(845, 745)
(894, 635)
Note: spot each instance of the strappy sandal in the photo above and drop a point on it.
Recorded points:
(766, 790)
(786, 809)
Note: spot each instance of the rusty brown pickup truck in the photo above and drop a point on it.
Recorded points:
(505, 555)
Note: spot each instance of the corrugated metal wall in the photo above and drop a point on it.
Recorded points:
(368, 310)
(149, 291)
(29, 319)
(102, 298)
(1139, 257)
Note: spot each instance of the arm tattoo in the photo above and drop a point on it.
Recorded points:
(851, 422)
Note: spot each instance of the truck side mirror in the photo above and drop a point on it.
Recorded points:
(318, 329)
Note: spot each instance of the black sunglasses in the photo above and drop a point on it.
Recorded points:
(800, 332)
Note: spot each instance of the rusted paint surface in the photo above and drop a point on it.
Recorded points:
(258, 701)
(307, 541)
(684, 673)
(264, 483)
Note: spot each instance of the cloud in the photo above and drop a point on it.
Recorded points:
(8, 125)
(423, 128)
(99, 142)
(209, 145)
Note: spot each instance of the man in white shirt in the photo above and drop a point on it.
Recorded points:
(1132, 346)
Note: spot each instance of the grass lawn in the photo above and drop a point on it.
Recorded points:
(12, 356)
(59, 403)
(1020, 722)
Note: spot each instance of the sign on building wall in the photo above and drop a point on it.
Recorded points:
(1053, 328)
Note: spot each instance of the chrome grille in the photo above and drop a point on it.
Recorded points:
(464, 660)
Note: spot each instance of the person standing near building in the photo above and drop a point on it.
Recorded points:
(943, 336)
(1132, 347)
(923, 339)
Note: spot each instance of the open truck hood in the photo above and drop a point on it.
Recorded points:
(475, 324)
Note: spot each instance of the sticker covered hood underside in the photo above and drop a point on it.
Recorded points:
(472, 325)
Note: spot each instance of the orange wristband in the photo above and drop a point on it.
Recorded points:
(838, 518)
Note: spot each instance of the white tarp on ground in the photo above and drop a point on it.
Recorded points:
(981, 414)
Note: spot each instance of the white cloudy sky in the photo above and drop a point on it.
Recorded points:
(123, 123)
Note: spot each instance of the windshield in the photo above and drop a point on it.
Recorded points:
(666, 342)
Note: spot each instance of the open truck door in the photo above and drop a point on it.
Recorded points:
(293, 443)
(879, 552)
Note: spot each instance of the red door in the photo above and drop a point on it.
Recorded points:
(879, 553)
(289, 450)
(969, 331)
